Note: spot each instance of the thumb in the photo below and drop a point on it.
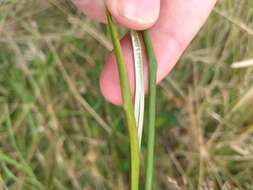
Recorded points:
(135, 14)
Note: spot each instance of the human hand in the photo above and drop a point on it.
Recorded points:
(174, 23)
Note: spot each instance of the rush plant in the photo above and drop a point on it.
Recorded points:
(128, 107)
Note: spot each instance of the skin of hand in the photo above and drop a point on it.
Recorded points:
(172, 25)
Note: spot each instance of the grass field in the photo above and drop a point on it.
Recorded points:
(57, 131)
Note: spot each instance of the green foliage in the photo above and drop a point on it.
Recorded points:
(51, 139)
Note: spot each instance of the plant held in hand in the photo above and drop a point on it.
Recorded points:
(134, 114)
(127, 106)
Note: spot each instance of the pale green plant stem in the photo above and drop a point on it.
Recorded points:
(151, 108)
(127, 106)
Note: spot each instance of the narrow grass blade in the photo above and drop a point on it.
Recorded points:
(242, 111)
(127, 106)
(243, 64)
(151, 109)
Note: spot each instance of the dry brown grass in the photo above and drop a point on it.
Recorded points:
(57, 132)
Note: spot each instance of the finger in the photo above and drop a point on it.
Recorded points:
(92, 8)
(178, 23)
(135, 14)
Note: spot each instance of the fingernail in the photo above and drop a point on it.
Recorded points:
(139, 11)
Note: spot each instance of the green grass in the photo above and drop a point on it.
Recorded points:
(57, 131)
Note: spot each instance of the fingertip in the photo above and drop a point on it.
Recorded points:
(137, 15)
(109, 77)
(109, 82)
(92, 8)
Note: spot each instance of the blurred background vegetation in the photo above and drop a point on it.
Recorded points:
(57, 131)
